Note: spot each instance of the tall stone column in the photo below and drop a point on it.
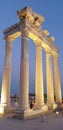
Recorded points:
(5, 92)
(57, 80)
(49, 79)
(39, 78)
(24, 73)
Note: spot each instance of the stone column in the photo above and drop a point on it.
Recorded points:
(39, 78)
(57, 80)
(49, 79)
(24, 73)
(5, 92)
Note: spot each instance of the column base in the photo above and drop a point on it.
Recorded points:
(29, 113)
(42, 107)
(59, 106)
(59, 103)
(4, 109)
(17, 112)
(51, 106)
(23, 108)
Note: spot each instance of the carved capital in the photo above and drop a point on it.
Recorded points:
(48, 51)
(8, 39)
(25, 33)
(56, 56)
(37, 43)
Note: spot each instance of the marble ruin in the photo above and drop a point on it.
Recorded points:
(29, 26)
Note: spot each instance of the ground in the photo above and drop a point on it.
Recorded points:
(46, 122)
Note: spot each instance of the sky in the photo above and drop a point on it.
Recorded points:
(52, 10)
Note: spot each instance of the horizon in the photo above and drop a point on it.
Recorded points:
(52, 11)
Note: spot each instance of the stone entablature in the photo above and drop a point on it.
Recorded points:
(41, 35)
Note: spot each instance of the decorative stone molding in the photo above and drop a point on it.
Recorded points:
(51, 39)
(45, 32)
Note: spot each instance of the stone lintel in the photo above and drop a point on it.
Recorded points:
(15, 31)
(11, 28)
(12, 31)
(36, 36)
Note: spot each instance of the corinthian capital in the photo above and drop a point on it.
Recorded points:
(25, 33)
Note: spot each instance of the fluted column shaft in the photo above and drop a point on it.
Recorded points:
(57, 80)
(49, 78)
(5, 92)
(24, 74)
(39, 78)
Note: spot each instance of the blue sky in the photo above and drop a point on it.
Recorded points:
(52, 10)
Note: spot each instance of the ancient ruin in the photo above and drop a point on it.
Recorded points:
(29, 26)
